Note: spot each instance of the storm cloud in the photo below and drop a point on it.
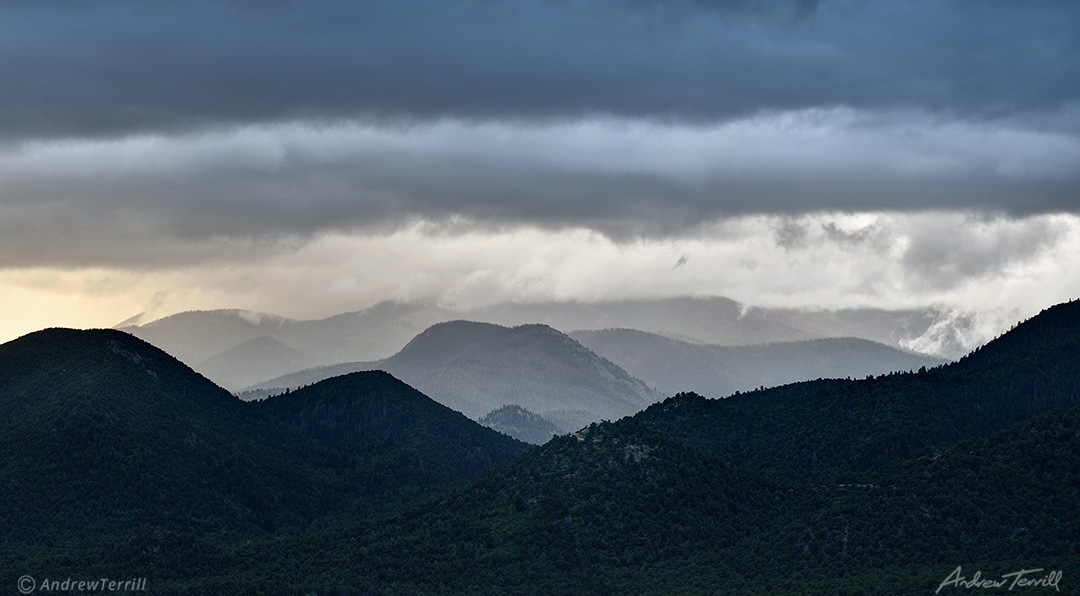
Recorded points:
(904, 152)
(627, 180)
(117, 68)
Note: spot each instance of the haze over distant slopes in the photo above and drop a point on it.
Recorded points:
(238, 349)
(315, 158)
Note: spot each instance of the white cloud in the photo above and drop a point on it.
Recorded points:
(1000, 269)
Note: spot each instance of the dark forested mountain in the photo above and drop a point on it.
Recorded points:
(104, 435)
(886, 485)
(674, 366)
(477, 367)
(842, 426)
(521, 424)
(620, 509)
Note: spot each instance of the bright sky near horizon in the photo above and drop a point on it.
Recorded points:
(310, 158)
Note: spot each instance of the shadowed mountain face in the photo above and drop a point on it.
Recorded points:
(104, 435)
(674, 366)
(239, 348)
(477, 367)
(621, 509)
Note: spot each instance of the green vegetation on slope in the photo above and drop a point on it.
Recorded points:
(620, 509)
(105, 436)
(880, 486)
(839, 427)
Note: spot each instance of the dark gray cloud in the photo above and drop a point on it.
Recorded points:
(84, 202)
(165, 124)
(76, 69)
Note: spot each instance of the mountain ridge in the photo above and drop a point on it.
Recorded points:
(114, 437)
(835, 486)
(477, 367)
(381, 330)
(674, 366)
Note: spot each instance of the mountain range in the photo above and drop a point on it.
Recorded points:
(891, 484)
(475, 368)
(674, 366)
(238, 349)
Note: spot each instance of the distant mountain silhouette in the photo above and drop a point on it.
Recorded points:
(215, 343)
(233, 347)
(104, 435)
(477, 367)
(722, 321)
(674, 366)
(521, 424)
(253, 361)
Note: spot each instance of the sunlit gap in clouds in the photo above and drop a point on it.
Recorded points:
(992, 269)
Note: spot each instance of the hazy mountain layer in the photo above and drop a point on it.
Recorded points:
(718, 320)
(673, 366)
(477, 367)
(216, 343)
(239, 348)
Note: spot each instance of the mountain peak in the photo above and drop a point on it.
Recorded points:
(1056, 325)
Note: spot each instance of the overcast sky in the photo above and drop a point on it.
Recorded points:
(309, 158)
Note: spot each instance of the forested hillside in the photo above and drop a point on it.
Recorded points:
(105, 436)
(885, 485)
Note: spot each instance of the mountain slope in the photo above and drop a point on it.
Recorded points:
(840, 427)
(105, 436)
(477, 367)
(116, 434)
(253, 361)
(674, 366)
(521, 424)
(620, 509)
(666, 502)
(385, 437)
